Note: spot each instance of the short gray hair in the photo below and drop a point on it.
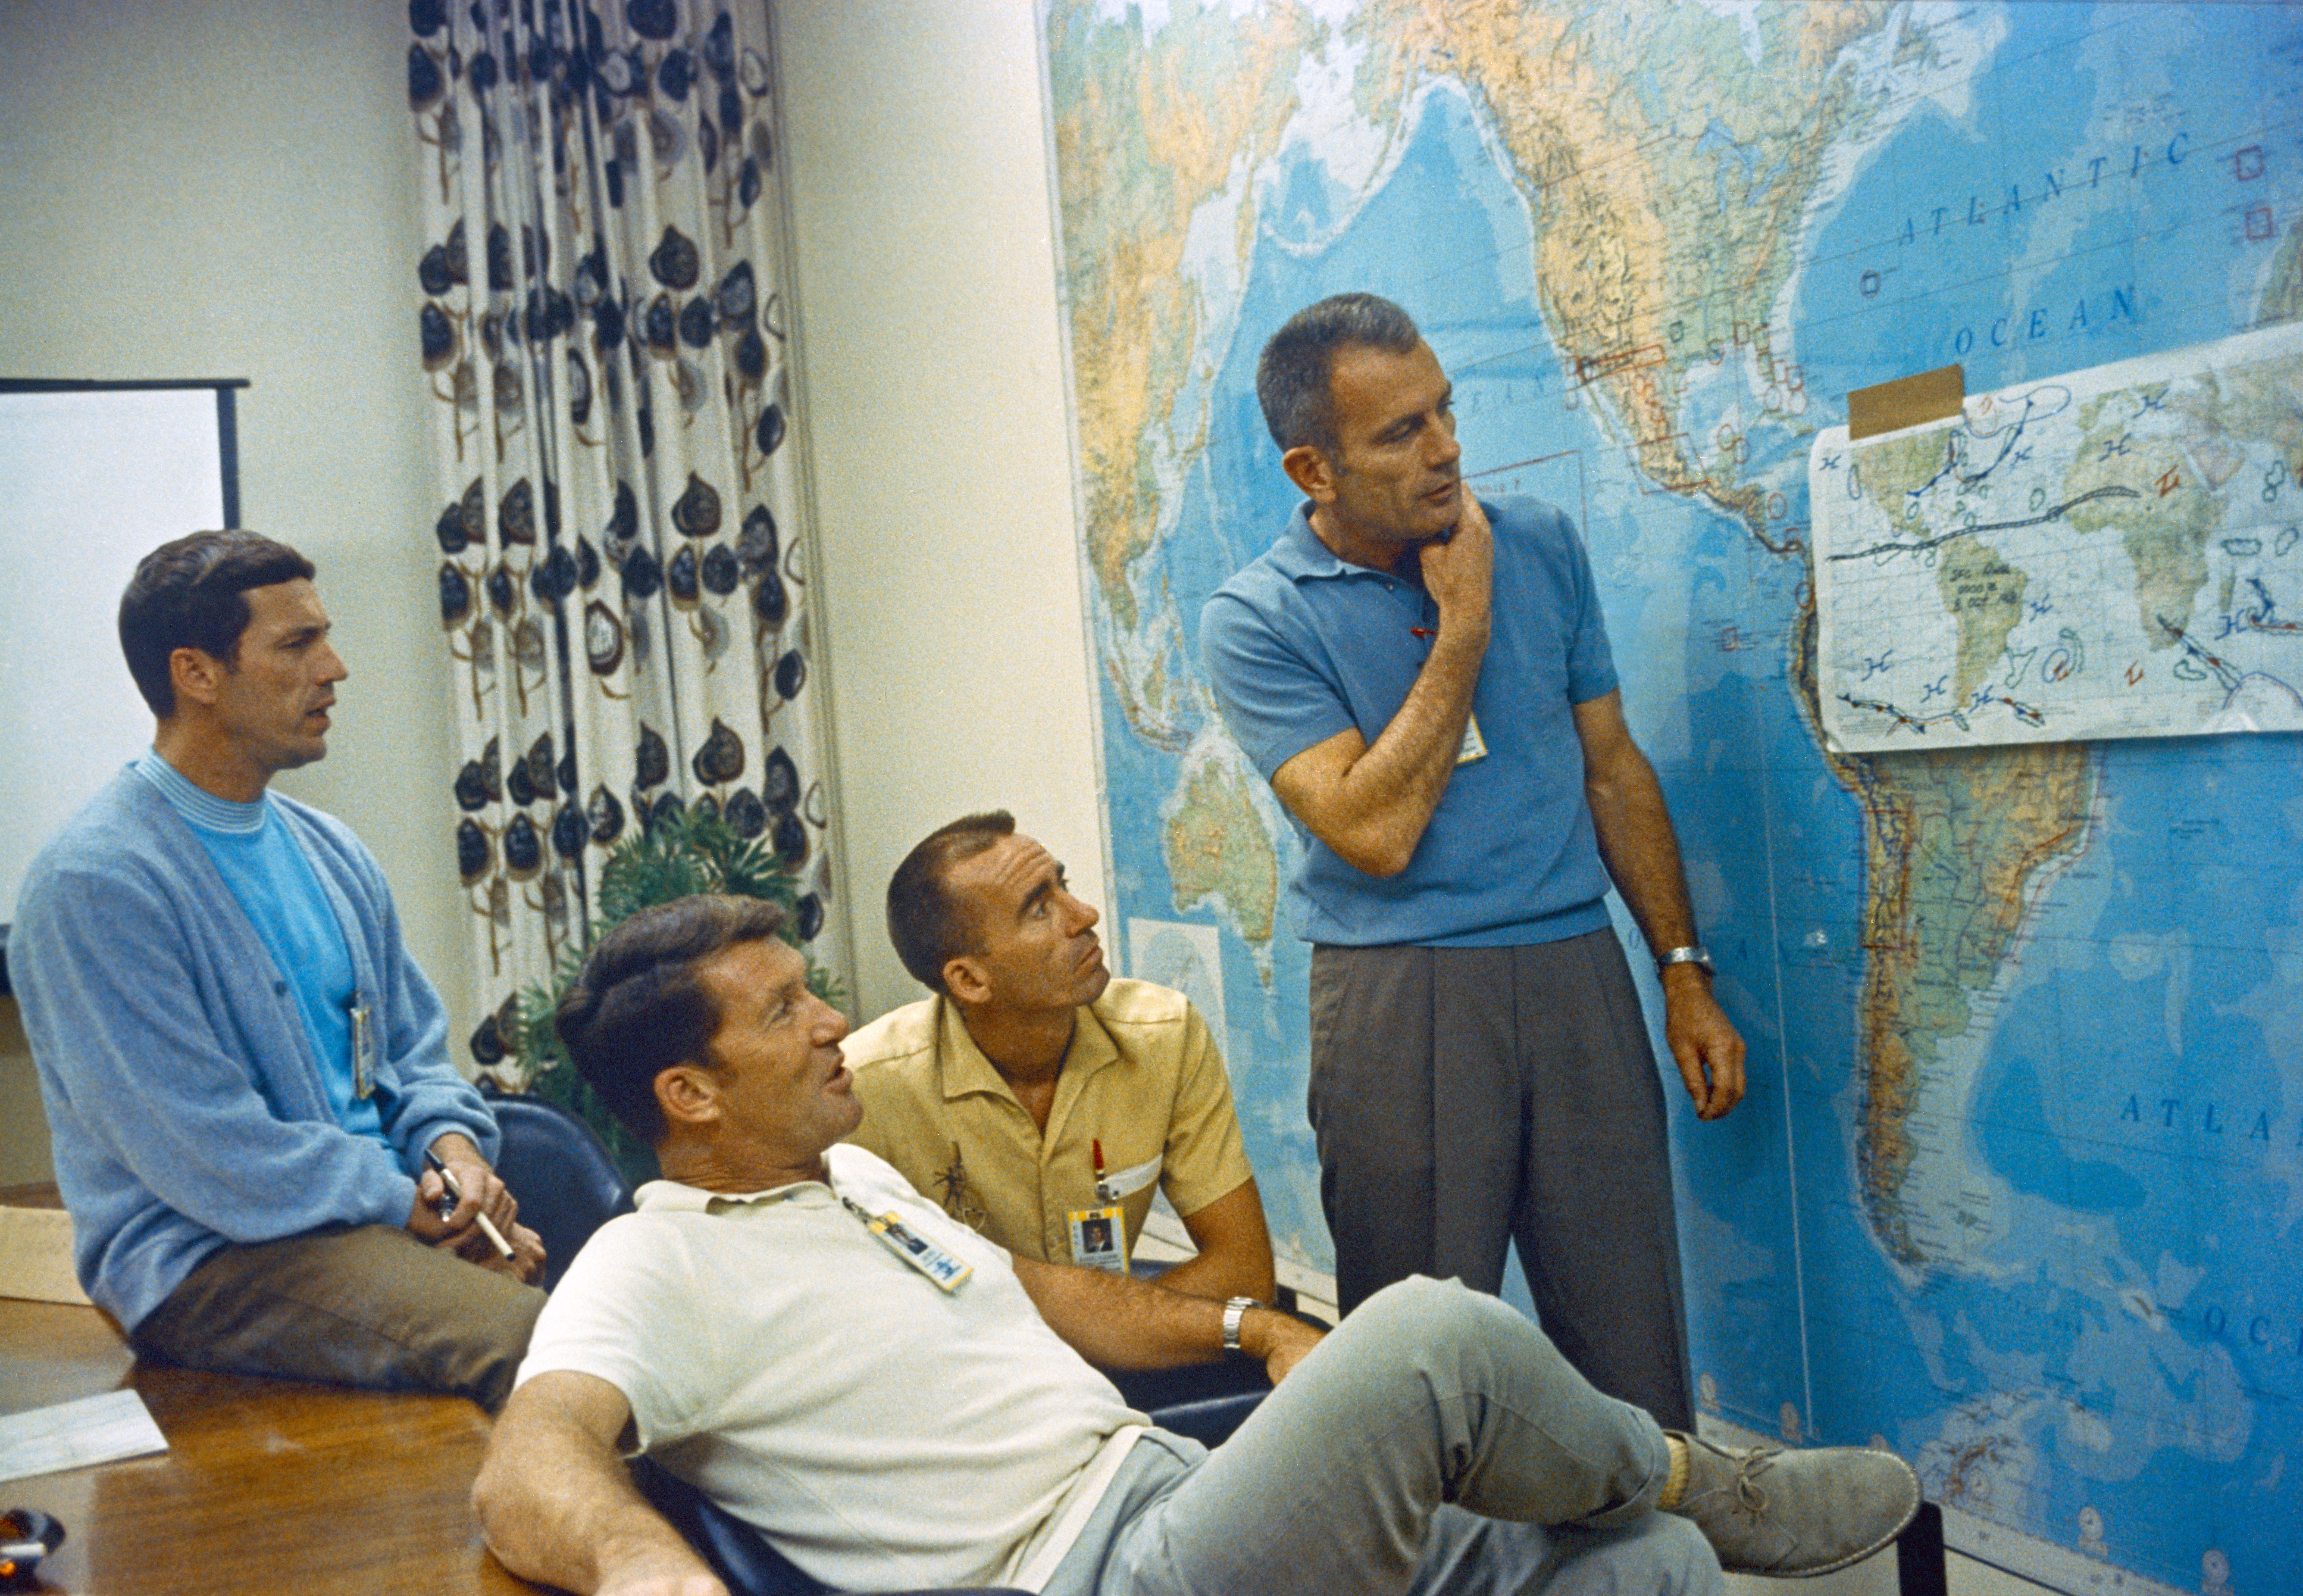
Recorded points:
(1292, 375)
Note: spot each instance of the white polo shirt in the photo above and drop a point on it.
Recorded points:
(884, 1434)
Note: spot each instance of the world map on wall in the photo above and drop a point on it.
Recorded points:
(2016, 1188)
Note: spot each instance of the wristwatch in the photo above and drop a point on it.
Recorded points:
(1695, 953)
(1235, 1311)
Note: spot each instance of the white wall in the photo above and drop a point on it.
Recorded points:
(936, 414)
(227, 187)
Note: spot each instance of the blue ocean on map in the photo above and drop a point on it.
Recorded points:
(2117, 1365)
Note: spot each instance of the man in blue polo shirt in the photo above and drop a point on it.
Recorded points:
(1426, 682)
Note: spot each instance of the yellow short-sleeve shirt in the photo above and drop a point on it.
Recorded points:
(1142, 1077)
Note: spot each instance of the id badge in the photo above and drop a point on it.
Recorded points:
(363, 1051)
(948, 1272)
(1476, 747)
(1099, 1239)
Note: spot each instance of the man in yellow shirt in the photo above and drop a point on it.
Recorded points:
(1036, 1098)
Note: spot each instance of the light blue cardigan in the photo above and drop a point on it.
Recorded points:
(185, 1106)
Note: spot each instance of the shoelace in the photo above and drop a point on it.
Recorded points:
(1750, 1495)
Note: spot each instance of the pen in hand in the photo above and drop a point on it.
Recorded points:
(455, 1194)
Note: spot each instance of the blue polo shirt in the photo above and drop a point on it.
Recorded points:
(1299, 646)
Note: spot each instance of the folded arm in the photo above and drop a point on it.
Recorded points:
(1118, 1321)
(1370, 802)
(1235, 1250)
(557, 1505)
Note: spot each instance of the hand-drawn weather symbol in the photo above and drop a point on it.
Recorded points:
(651, 758)
(720, 760)
(696, 513)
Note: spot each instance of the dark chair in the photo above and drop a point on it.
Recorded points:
(567, 1185)
(746, 1563)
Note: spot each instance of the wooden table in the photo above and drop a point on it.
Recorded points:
(269, 1485)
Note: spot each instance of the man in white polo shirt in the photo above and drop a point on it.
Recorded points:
(895, 1402)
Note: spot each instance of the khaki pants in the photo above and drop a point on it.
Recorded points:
(369, 1305)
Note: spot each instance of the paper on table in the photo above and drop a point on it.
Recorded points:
(76, 1434)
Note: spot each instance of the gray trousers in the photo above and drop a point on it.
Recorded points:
(368, 1304)
(1465, 1097)
(1436, 1443)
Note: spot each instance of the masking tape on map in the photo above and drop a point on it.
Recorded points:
(1906, 402)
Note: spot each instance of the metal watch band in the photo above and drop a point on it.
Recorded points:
(1235, 1311)
(1695, 953)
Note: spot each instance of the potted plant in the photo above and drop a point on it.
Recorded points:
(673, 856)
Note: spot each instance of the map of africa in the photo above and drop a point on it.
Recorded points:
(2110, 554)
(2016, 1188)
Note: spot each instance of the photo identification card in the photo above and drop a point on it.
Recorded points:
(1099, 1240)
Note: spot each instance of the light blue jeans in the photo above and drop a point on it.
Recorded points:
(1436, 1443)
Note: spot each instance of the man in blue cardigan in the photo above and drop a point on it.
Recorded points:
(242, 1067)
